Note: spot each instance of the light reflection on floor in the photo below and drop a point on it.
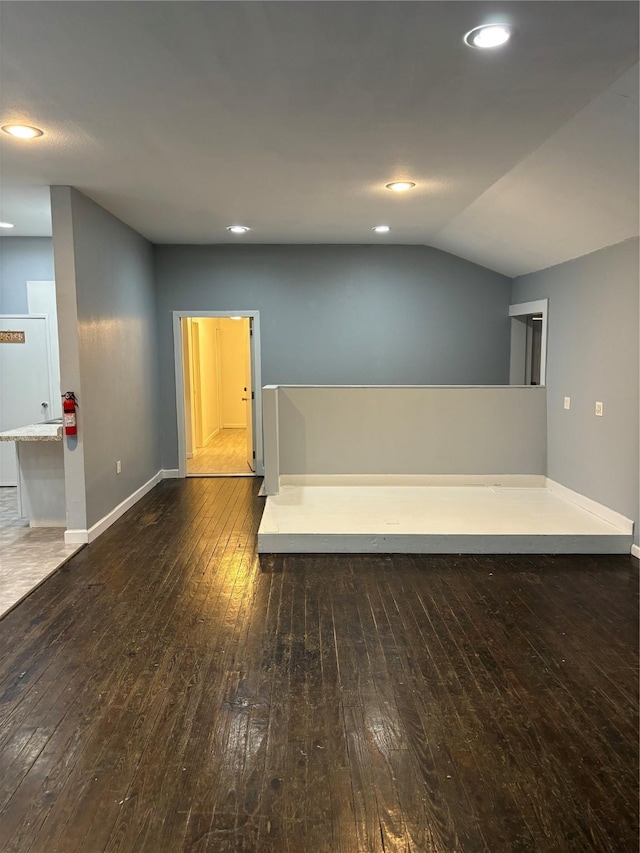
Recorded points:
(225, 454)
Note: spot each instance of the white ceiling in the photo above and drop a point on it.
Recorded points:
(182, 118)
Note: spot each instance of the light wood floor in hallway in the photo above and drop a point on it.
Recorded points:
(169, 691)
(226, 454)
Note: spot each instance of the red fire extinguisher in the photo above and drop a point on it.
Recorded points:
(69, 404)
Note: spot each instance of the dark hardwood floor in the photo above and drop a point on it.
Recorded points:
(167, 691)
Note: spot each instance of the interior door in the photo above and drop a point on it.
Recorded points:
(186, 382)
(25, 385)
(196, 386)
(248, 396)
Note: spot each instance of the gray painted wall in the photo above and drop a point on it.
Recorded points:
(342, 314)
(394, 430)
(67, 310)
(592, 354)
(22, 259)
(117, 348)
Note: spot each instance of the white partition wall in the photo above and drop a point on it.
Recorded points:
(403, 430)
(419, 469)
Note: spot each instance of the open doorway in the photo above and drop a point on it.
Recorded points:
(528, 343)
(217, 402)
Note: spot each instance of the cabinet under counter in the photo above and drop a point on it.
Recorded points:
(40, 465)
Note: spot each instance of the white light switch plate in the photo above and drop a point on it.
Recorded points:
(567, 402)
(599, 408)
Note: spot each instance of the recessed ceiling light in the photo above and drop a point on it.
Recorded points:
(22, 131)
(381, 229)
(490, 35)
(400, 186)
(235, 318)
(6, 225)
(238, 229)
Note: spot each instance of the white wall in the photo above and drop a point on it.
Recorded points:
(209, 378)
(407, 430)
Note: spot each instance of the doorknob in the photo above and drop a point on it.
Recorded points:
(44, 405)
(244, 398)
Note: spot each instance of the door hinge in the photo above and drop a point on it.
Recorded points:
(254, 454)
(253, 396)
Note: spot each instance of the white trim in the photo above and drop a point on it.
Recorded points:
(209, 438)
(234, 426)
(170, 473)
(595, 508)
(517, 481)
(78, 537)
(270, 395)
(256, 382)
(635, 551)
(438, 543)
(495, 387)
(537, 306)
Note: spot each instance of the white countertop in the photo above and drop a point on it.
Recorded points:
(34, 432)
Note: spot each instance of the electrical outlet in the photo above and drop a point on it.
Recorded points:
(118, 467)
(599, 408)
(567, 402)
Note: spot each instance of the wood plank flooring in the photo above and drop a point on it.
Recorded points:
(226, 453)
(167, 690)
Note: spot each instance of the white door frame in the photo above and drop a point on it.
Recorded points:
(538, 306)
(256, 374)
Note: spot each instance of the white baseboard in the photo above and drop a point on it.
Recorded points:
(517, 481)
(170, 473)
(234, 426)
(595, 508)
(189, 455)
(635, 551)
(78, 537)
(210, 438)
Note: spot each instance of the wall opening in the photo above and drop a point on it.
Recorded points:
(216, 384)
(528, 356)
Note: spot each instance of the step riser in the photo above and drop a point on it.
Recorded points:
(280, 543)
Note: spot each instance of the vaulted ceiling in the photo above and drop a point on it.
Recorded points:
(182, 118)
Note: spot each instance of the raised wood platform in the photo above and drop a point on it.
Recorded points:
(317, 519)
